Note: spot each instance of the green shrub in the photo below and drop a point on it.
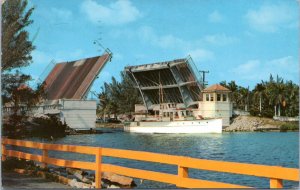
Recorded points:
(15, 127)
(289, 127)
(50, 127)
(11, 163)
(19, 128)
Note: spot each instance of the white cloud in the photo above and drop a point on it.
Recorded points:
(147, 34)
(219, 39)
(194, 48)
(282, 62)
(116, 13)
(270, 18)
(248, 69)
(215, 17)
(56, 15)
(286, 67)
(63, 14)
(201, 55)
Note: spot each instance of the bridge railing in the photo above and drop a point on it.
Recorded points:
(42, 109)
(275, 173)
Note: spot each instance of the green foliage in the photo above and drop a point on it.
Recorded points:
(18, 127)
(267, 95)
(15, 128)
(16, 53)
(118, 97)
(19, 94)
(16, 47)
(276, 93)
(11, 163)
(48, 128)
(239, 95)
(292, 126)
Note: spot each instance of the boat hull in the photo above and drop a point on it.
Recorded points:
(195, 126)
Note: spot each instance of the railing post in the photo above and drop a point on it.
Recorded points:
(45, 154)
(276, 183)
(3, 151)
(183, 172)
(98, 168)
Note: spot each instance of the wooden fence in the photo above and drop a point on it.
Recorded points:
(275, 173)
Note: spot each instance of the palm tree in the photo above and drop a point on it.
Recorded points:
(243, 97)
(259, 90)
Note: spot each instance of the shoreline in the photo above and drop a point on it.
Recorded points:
(238, 124)
(260, 124)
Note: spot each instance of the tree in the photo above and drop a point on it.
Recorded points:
(129, 96)
(267, 96)
(19, 94)
(235, 97)
(243, 98)
(276, 97)
(258, 91)
(16, 47)
(118, 97)
(16, 53)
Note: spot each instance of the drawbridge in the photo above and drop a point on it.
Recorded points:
(176, 81)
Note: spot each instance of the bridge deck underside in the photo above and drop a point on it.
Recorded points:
(175, 83)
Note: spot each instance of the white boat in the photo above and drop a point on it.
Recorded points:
(191, 126)
(168, 118)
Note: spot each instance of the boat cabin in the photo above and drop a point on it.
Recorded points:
(215, 104)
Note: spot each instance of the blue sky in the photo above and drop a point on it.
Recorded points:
(237, 40)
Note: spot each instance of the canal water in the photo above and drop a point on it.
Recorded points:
(269, 148)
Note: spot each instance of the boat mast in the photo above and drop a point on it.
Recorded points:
(160, 96)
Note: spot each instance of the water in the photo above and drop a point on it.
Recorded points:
(271, 148)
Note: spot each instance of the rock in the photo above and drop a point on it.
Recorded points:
(115, 178)
(63, 179)
(79, 175)
(40, 115)
(113, 187)
(72, 182)
(20, 171)
(250, 123)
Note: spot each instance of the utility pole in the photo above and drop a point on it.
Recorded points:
(203, 77)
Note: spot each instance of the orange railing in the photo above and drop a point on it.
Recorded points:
(275, 173)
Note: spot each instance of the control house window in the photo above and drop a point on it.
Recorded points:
(207, 97)
(218, 97)
(211, 97)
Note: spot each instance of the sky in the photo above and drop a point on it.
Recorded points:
(238, 40)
